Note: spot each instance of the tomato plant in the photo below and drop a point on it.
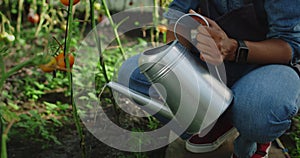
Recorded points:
(67, 2)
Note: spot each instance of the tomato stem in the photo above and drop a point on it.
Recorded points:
(19, 19)
(155, 34)
(98, 43)
(60, 45)
(3, 146)
(86, 17)
(102, 63)
(69, 74)
(41, 20)
(2, 69)
(115, 29)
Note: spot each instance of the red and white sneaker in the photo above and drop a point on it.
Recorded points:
(221, 131)
(261, 152)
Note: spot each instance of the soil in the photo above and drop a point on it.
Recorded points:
(35, 147)
(70, 148)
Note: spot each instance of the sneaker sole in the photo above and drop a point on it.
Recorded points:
(203, 148)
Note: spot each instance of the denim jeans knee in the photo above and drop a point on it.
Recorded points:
(130, 76)
(265, 101)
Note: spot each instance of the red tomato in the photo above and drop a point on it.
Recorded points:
(33, 18)
(66, 2)
(61, 60)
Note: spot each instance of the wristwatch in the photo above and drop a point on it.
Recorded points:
(241, 52)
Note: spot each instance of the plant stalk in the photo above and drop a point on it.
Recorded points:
(155, 15)
(42, 19)
(98, 41)
(2, 70)
(13, 70)
(115, 29)
(86, 17)
(4, 138)
(20, 66)
(6, 3)
(3, 146)
(2, 79)
(69, 74)
(19, 19)
(102, 63)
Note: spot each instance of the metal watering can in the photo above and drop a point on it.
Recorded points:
(192, 95)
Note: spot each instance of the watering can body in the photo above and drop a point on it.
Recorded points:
(194, 97)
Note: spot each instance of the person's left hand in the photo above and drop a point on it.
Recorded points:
(214, 44)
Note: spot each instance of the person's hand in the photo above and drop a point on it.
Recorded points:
(214, 44)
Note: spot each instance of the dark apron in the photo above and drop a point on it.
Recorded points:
(243, 24)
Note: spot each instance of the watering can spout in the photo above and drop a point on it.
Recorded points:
(144, 102)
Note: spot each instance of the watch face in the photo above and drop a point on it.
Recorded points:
(242, 53)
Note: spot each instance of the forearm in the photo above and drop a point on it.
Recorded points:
(271, 51)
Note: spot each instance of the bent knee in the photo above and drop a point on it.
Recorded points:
(130, 76)
(265, 126)
(126, 70)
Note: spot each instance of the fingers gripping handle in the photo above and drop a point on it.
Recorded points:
(199, 18)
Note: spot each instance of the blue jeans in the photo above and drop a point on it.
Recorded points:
(265, 100)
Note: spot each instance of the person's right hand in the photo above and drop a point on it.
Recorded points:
(214, 44)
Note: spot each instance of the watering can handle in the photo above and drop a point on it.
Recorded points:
(201, 19)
